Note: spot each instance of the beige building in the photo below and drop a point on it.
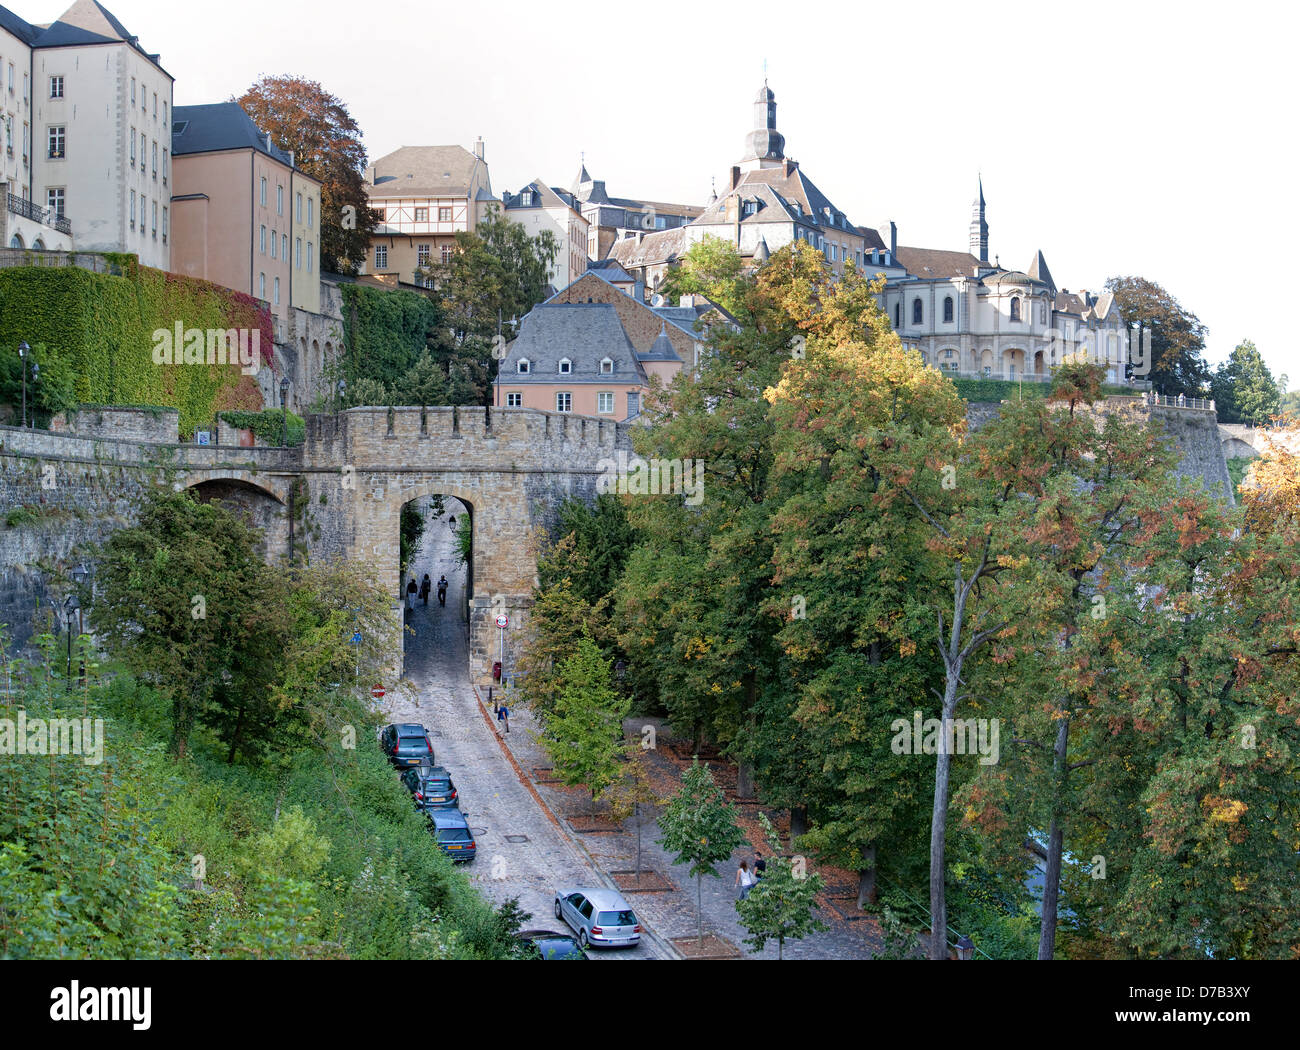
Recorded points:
(425, 195)
(244, 216)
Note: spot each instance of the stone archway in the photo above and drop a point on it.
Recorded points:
(261, 508)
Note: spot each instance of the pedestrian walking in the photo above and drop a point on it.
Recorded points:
(411, 590)
(442, 590)
(425, 588)
(744, 880)
(503, 716)
(760, 866)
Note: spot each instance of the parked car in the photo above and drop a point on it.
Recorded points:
(600, 918)
(432, 789)
(452, 834)
(407, 745)
(547, 944)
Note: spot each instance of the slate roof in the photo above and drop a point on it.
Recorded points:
(610, 270)
(89, 22)
(771, 207)
(1039, 272)
(423, 171)
(795, 187)
(543, 197)
(220, 126)
(585, 333)
(23, 30)
(664, 246)
(661, 349)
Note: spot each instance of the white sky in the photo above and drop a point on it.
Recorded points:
(1120, 138)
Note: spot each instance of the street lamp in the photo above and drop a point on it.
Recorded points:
(22, 365)
(965, 948)
(338, 403)
(284, 411)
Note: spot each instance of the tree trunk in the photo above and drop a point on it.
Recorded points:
(867, 877)
(798, 823)
(699, 910)
(1055, 841)
(939, 826)
(636, 815)
(745, 780)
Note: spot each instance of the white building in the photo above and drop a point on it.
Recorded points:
(539, 207)
(977, 319)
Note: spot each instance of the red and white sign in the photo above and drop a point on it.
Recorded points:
(377, 691)
(503, 621)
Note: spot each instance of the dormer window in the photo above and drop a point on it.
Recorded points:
(606, 367)
(566, 366)
(524, 367)
(526, 198)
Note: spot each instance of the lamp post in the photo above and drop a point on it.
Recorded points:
(338, 401)
(284, 411)
(22, 366)
(80, 574)
(965, 948)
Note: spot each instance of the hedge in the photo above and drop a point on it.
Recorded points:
(102, 326)
(269, 425)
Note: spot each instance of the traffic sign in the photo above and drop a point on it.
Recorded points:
(356, 638)
(377, 691)
(503, 621)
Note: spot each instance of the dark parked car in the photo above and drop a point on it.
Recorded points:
(547, 944)
(432, 789)
(407, 745)
(452, 834)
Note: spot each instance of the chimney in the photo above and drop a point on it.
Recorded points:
(291, 164)
(478, 149)
(889, 234)
(735, 176)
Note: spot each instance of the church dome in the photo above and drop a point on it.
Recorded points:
(765, 144)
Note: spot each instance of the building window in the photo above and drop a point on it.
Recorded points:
(284, 247)
(526, 198)
(422, 254)
(514, 399)
(11, 85)
(381, 257)
(56, 87)
(916, 311)
(297, 252)
(444, 215)
(164, 224)
(155, 103)
(898, 315)
(25, 88)
(309, 257)
(164, 111)
(563, 401)
(164, 166)
(57, 142)
(155, 161)
(298, 208)
(310, 202)
(279, 200)
(154, 218)
(261, 286)
(524, 366)
(1015, 308)
(566, 366)
(263, 194)
(277, 291)
(446, 253)
(1042, 313)
(606, 367)
(947, 309)
(144, 140)
(11, 79)
(54, 201)
(421, 214)
(262, 240)
(27, 141)
(633, 404)
(275, 237)
(133, 209)
(605, 403)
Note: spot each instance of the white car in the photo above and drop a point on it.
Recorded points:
(601, 918)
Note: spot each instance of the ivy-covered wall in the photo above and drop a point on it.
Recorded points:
(101, 325)
(385, 331)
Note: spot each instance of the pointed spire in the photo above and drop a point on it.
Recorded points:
(1039, 272)
(979, 228)
(713, 190)
(761, 253)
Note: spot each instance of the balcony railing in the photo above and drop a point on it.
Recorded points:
(30, 210)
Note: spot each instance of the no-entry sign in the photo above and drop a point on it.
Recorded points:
(377, 691)
(503, 621)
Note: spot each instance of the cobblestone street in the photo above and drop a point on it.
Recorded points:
(521, 852)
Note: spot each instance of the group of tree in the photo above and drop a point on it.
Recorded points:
(862, 560)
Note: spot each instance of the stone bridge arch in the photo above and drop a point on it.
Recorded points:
(261, 506)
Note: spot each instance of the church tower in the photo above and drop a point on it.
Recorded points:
(979, 229)
(765, 146)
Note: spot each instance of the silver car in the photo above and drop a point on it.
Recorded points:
(601, 918)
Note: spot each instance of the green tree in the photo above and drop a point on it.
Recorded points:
(699, 825)
(713, 268)
(584, 733)
(781, 906)
(50, 383)
(1177, 336)
(300, 115)
(1243, 388)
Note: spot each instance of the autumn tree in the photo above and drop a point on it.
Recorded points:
(300, 115)
(1177, 363)
(781, 907)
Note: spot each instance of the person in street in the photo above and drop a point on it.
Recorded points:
(442, 590)
(411, 590)
(760, 866)
(744, 880)
(503, 716)
(425, 588)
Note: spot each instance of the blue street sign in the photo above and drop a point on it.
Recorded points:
(356, 638)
